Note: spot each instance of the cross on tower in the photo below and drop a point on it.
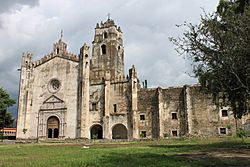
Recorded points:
(61, 35)
(109, 16)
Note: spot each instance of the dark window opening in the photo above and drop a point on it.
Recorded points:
(223, 131)
(86, 65)
(174, 133)
(103, 49)
(94, 107)
(224, 113)
(142, 117)
(115, 108)
(57, 51)
(105, 35)
(86, 56)
(143, 134)
(174, 115)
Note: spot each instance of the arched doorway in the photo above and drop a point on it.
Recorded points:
(119, 131)
(96, 132)
(53, 127)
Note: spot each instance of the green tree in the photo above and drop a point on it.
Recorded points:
(219, 47)
(6, 119)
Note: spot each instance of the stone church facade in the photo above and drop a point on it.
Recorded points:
(68, 96)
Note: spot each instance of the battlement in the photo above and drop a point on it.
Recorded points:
(107, 24)
(46, 58)
(120, 79)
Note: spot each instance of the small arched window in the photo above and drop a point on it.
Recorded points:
(105, 35)
(120, 41)
(103, 49)
(57, 51)
(86, 56)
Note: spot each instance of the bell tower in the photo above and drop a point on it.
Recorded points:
(108, 53)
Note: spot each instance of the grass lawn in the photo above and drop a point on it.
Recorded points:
(221, 152)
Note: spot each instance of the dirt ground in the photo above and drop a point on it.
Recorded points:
(219, 153)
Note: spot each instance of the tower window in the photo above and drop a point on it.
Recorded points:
(174, 115)
(86, 56)
(103, 49)
(142, 117)
(57, 51)
(105, 35)
(94, 107)
(224, 113)
(115, 108)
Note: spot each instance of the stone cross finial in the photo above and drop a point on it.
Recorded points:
(109, 16)
(61, 35)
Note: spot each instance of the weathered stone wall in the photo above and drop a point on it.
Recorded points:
(97, 98)
(118, 104)
(172, 112)
(148, 106)
(66, 72)
(206, 118)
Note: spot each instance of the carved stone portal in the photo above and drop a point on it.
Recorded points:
(51, 118)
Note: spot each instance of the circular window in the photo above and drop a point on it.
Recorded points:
(54, 85)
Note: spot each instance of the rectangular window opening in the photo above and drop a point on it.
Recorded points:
(142, 117)
(223, 131)
(115, 108)
(94, 107)
(174, 115)
(174, 133)
(143, 134)
(224, 113)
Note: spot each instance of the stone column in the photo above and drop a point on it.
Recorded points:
(84, 108)
(107, 131)
(188, 110)
(134, 91)
(23, 98)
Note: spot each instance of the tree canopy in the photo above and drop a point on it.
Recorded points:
(219, 47)
(6, 119)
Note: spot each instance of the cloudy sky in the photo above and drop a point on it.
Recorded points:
(34, 25)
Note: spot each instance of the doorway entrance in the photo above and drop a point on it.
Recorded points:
(119, 131)
(96, 132)
(53, 127)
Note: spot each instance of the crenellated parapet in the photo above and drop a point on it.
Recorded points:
(119, 79)
(107, 24)
(108, 31)
(46, 58)
(59, 50)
